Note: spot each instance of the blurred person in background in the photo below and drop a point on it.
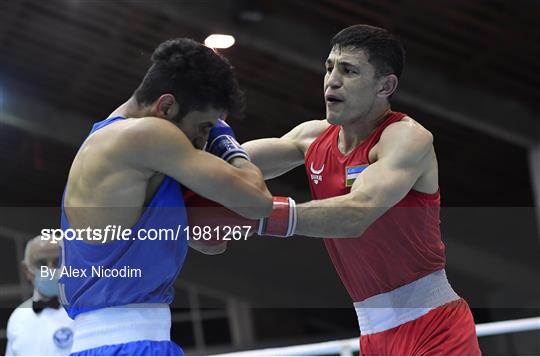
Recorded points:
(40, 326)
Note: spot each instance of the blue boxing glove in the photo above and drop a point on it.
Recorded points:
(222, 143)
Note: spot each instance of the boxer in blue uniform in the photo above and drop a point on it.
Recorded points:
(130, 172)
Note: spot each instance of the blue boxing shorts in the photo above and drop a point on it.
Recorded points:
(130, 330)
(137, 348)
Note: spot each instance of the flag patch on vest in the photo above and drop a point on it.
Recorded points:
(352, 172)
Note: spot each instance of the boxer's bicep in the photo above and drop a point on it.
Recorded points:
(274, 156)
(374, 191)
(403, 158)
(378, 188)
(383, 184)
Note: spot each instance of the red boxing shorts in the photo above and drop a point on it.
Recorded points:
(447, 330)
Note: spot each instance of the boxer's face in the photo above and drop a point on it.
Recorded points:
(350, 86)
(197, 124)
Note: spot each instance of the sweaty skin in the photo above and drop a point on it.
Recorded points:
(403, 159)
(119, 168)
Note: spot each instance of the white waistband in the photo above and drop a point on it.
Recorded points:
(122, 324)
(406, 303)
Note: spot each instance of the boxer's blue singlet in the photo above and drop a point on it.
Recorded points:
(159, 261)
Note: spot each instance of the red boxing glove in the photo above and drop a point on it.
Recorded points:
(282, 220)
(203, 212)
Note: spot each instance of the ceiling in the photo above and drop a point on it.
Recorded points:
(86, 57)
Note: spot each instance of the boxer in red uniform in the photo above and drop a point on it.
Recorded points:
(373, 176)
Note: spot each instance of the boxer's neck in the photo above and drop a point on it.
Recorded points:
(353, 134)
(131, 109)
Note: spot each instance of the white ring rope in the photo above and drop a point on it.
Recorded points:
(349, 346)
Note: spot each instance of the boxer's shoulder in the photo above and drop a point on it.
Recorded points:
(136, 136)
(129, 144)
(406, 130)
(406, 137)
(127, 132)
(144, 127)
(140, 130)
(409, 124)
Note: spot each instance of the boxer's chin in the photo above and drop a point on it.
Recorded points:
(332, 119)
(332, 116)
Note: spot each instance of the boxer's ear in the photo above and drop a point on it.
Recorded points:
(166, 107)
(387, 85)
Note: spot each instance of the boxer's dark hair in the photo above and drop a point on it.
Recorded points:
(198, 77)
(384, 50)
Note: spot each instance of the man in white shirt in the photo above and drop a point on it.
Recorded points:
(40, 326)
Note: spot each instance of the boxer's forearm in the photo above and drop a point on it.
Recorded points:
(251, 172)
(241, 163)
(337, 217)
